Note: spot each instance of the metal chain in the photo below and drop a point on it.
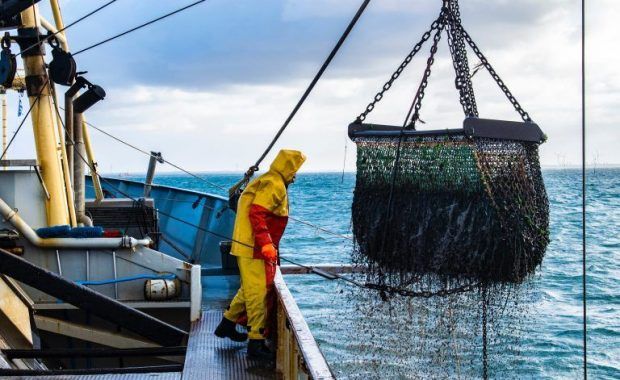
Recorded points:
(398, 71)
(460, 62)
(427, 72)
(524, 115)
(401, 291)
(415, 105)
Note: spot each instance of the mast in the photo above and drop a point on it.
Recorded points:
(45, 138)
(90, 154)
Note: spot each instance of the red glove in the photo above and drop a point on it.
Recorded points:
(269, 252)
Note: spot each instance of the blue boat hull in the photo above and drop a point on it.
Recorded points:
(180, 211)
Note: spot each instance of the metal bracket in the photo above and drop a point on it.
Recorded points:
(472, 127)
(36, 85)
(40, 177)
(30, 38)
(10, 10)
(8, 234)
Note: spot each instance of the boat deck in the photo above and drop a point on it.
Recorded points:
(209, 357)
(110, 376)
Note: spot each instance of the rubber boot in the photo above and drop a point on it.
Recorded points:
(257, 349)
(227, 329)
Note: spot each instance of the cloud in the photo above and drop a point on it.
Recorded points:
(211, 95)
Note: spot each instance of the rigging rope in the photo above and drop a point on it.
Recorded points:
(138, 27)
(196, 176)
(254, 168)
(151, 155)
(370, 286)
(22, 123)
(66, 27)
(583, 189)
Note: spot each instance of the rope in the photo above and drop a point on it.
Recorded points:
(196, 176)
(127, 279)
(310, 269)
(314, 81)
(138, 27)
(66, 27)
(151, 155)
(368, 286)
(132, 198)
(583, 189)
(22, 123)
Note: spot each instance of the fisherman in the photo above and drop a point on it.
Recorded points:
(262, 215)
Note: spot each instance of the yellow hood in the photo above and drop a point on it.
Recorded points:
(287, 163)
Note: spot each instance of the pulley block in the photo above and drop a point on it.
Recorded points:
(8, 64)
(62, 68)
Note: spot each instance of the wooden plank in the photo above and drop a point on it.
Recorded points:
(15, 310)
(95, 335)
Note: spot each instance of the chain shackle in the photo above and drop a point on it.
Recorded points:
(5, 42)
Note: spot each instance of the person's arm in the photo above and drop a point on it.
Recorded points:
(262, 237)
(258, 219)
(267, 199)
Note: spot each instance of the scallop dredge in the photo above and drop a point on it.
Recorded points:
(461, 206)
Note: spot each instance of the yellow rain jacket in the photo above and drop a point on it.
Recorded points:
(262, 215)
(265, 199)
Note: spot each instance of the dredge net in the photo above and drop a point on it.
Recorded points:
(449, 226)
(448, 238)
(463, 210)
(441, 337)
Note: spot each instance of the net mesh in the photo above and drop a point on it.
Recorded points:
(463, 211)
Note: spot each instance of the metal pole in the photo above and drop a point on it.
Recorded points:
(92, 163)
(66, 169)
(69, 132)
(4, 124)
(46, 141)
(150, 173)
(90, 154)
(79, 166)
(584, 182)
(67, 164)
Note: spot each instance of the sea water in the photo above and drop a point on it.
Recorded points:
(550, 345)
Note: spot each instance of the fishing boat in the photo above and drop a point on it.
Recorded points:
(108, 276)
(115, 277)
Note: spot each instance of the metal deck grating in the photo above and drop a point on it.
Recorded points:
(124, 376)
(209, 357)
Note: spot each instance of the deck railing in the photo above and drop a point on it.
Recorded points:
(298, 354)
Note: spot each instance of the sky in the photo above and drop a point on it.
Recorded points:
(209, 87)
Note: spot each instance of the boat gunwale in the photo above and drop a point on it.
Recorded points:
(182, 190)
(313, 357)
